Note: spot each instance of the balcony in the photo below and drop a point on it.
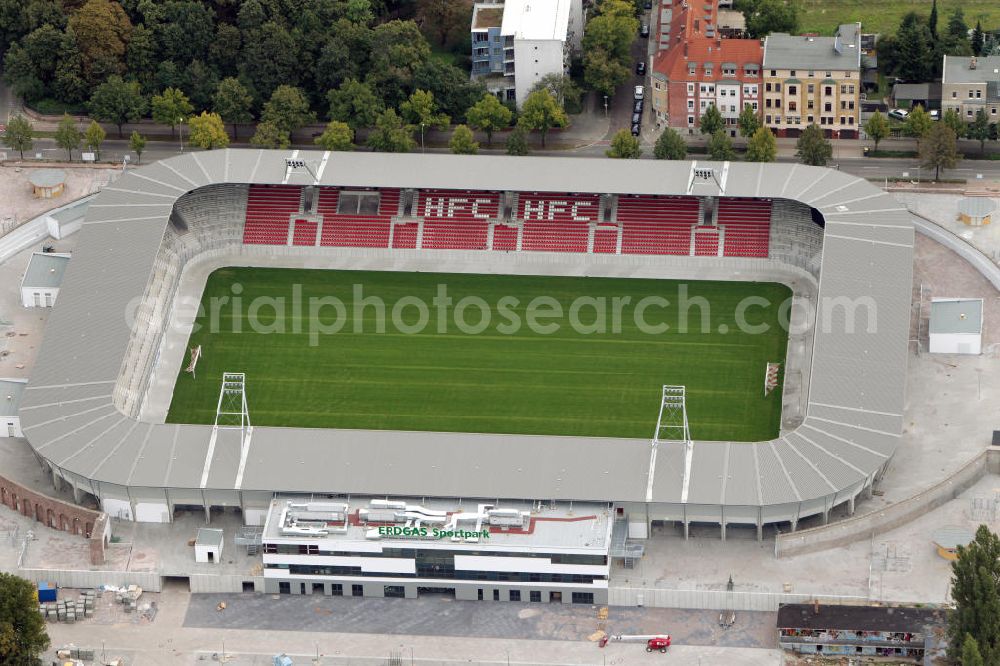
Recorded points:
(508, 55)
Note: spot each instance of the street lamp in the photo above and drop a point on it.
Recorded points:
(605, 106)
(422, 125)
(508, 656)
(180, 130)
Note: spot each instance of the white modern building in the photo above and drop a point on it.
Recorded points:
(11, 391)
(41, 282)
(517, 42)
(956, 326)
(466, 549)
(208, 546)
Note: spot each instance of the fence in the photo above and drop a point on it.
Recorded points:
(875, 522)
(719, 599)
(147, 580)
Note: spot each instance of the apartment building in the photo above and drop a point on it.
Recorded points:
(969, 84)
(517, 42)
(471, 550)
(810, 79)
(696, 68)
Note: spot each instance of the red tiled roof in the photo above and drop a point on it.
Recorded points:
(695, 46)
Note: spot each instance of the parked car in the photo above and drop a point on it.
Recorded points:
(636, 118)
(660, 643)
(934, 114)
(644, 30)
(637, 106)
(639, 92)
(899, 114)
(647, 5)
(640, 67)
(636, 129)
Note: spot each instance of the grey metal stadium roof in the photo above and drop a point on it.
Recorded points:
(851, 428)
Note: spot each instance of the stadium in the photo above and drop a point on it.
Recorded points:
(666, 430)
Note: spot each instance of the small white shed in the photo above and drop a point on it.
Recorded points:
(41, 282)
(11, 391)
(956, 326)
(208, 546)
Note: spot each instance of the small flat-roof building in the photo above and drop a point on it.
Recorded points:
(208, 546)
(47, 183)
(956, 326)
(11, 391)
(879, 631)
(41, 282)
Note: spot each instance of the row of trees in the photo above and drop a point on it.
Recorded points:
(918, 124)
(915, 52)
(607, 44)
(64, 51)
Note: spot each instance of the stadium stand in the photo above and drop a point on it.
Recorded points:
(404, 236)
(269, 211)
(706, 241)
(356, 230)
(747, 225)
(657, 225)
(795, 238)
(606, 240)
(557, 222)
(504, 238)
(456, 220)
(304, 232)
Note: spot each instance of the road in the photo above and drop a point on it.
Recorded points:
(9, 103)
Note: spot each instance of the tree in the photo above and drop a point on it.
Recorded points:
(762, 146)
(877, 128)
(766, 16)
(19, 136)
(441, 19)
(749, 121)
(906, 54)
(390, 134)
(288, 109)
(956, 42)
(918, 123)
(232, 102)
(93, 137)
(517, 142)
(602, 72)
(712, 120)
(336, 136)
(462, 142)
(624, 146)
(563, 88)
(933, 20)
(970, 652)
(489, 115)
(269, 135)
(541, 112)
(453, 92)
(978, 39)
(979, 129)
(68, 136)
(939, 150)
(137, 143)
(171, 107)
(421, 112)
(670, 146)
(954, 121)
(607, 42)
(270, 58)
(118, 102)
(208, 131)
(22, 629)
(354, 103)
(102, 30)
(720, 147)
(812, 148)
(974, 589)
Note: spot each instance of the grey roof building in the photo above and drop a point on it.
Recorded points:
(840, 52)
(81, 412)
(970, 83)
(45, 270)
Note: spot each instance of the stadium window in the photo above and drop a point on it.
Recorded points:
(357, 590)
(535, 596)
(583, 597)
(337, 589)
(358, 203)
(496, 595)
(514, 595)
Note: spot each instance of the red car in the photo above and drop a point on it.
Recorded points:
(660, 643)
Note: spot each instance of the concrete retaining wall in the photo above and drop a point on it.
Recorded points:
(223, 583)
(717, 599)
(865, 526)
(147, 580)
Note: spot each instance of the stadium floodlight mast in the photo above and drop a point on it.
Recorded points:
(231, 413)
(671, 428)
(294, 163)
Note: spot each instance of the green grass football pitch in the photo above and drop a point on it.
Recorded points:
(598, 373)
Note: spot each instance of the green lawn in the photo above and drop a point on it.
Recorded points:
(503, 379)
(883, 16)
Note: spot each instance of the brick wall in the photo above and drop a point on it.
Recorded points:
(57, 514)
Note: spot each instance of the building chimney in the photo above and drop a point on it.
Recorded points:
(972, 62)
